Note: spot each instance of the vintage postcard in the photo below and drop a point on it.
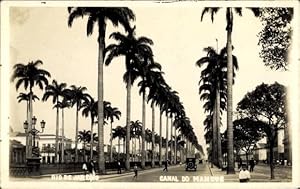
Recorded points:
(149, 94)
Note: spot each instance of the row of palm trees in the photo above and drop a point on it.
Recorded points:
(135, 133)
(62, 98)
(212, 90)
(139, 64)
(229, 76)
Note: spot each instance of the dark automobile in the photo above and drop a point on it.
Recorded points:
(191, 164)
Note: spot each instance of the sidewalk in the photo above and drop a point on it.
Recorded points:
(109, 174)
(258, 175)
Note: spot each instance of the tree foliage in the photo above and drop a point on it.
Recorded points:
(267, 103)
(275, 37)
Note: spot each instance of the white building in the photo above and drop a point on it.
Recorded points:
(46, 145)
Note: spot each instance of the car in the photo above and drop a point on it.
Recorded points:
(190, 164)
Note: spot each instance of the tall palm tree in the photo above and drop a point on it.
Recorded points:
(84, 136)
(100, 15)
(30, 75)
(119, 132)
(136, 129)
(229, 27)
(213, 90)
(135, 50)
(65, 103)
(148, 71)
(55, 91)
(114, 112)
(78, 97)
(156, 92)
(90, 108)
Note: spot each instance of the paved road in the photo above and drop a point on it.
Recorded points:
(174, 174)
(178, 174)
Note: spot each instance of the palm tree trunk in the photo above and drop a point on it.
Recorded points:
(56, 134)
(124, 146)
(175, 146)
(160, 139)
(84, 155)
(76, 136)
(27, 134)
(92, 139)
(63, 136)
(143, 131)
(119, 148)
(127, 164)
(110, 140)
(101, 43)
(171, 145)
(167, 137)
(30, 125)
(230, 167)
(153, 136)
(218, 124)
(215, 138)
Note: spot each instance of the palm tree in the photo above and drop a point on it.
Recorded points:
(113, 112)
(148, 74)
(25, 97)
(55, 91)
(136, 129)
(148, 139)
(78, 97)
(65, 103)
(90, 108)
(119, 132)
(229, 20)
(135, 50)
(213, 90)
(30, 75)
(84, 136)
(156, 92)
(100, 15)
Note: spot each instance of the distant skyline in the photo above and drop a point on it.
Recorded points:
(179, 38)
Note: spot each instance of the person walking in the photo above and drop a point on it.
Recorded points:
(252, 165)
(135, 169)
(119, 167)
(166, 166)
(244, 174)
(84, 168)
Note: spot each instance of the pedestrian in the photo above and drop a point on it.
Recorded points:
(84, 168)
(240, 163)
(135, 169)
(92, 168)
(252, 164)
(119, 167)
(166, 166)
(244, 174)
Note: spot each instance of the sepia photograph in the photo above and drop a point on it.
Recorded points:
(121, 93)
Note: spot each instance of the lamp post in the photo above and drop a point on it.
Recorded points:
(33, 159)
(34, 132)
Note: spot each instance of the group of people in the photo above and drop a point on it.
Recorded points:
(89, 167)
(244, 175)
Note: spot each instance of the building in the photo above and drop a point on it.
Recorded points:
(45, 143)
(17, 153)
(260, 152)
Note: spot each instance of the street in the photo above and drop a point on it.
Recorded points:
(177, 173)
(174, 174)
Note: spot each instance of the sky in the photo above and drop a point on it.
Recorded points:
(179, 38)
